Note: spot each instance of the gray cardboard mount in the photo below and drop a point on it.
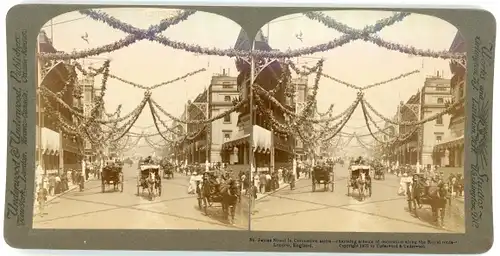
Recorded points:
(24, 23)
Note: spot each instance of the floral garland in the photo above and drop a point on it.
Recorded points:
(100, 100)
(128, 40)
(363, 144)
(312, 139)
(282, 129)
(343, 28)
(126, 146)
(92, 73)
(348, 141)
(347, 114)
(204, 121)
(68, 84)
(168, 129)
(261, 91)
(59, 118)
(46, 92)
(131, 123)
(401, 138)
(180, 140)
(328, 112)
(116, 113)
(352, 134)
(136, 85)
(307, 70)
(152, 145)
(312, 101)
(115, 125)
(140, 34)
(418, 122)
(401, 76)
(343, 122)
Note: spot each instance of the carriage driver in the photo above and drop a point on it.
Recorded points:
(212, 181)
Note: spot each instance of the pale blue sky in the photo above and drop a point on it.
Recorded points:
(360, 63)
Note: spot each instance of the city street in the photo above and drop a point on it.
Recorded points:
(175, 209)
(385, 211)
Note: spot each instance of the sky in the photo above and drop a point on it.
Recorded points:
(360, 63)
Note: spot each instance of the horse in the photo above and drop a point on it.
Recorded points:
(151, 184)
(434, 194)
(230, 197)
(362, 184)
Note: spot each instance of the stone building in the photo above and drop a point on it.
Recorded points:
(452, 146)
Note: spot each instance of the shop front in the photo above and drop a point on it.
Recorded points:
(451, 152)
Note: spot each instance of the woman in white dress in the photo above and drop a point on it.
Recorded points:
(192, 183)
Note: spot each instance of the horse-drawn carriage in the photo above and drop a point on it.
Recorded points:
(360, 180)
(379, 173)
(168, 170)
(323, 175)
(149, 178)
(226, 192)
(112, 174)
(425, 191)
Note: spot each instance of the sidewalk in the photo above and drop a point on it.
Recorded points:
(51, 198)
(283, 185)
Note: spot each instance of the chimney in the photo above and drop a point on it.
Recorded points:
(437, 74)
(224, 72)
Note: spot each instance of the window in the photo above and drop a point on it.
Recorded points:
(227, 118)
(439, 138)
(440, 100)
(441, 88)
(87, 96)
(227, 98)
(227, 136)
(439, 120)
(227, 85)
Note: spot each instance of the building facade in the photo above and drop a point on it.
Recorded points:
(223, 90)
(452, 146)
(431, 99)
(206, 140)
(56, 150)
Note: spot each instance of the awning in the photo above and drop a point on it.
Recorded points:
(261, 139)
(50, 141)
(455, 142)
(235, 142)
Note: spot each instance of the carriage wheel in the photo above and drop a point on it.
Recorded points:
(332, 186)
(159, 191)
(103, 186)
(313, 185)
(348, 190)
(137, 190)
(370, 191)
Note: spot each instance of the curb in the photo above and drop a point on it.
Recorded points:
(285, 185)
(71, 188)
